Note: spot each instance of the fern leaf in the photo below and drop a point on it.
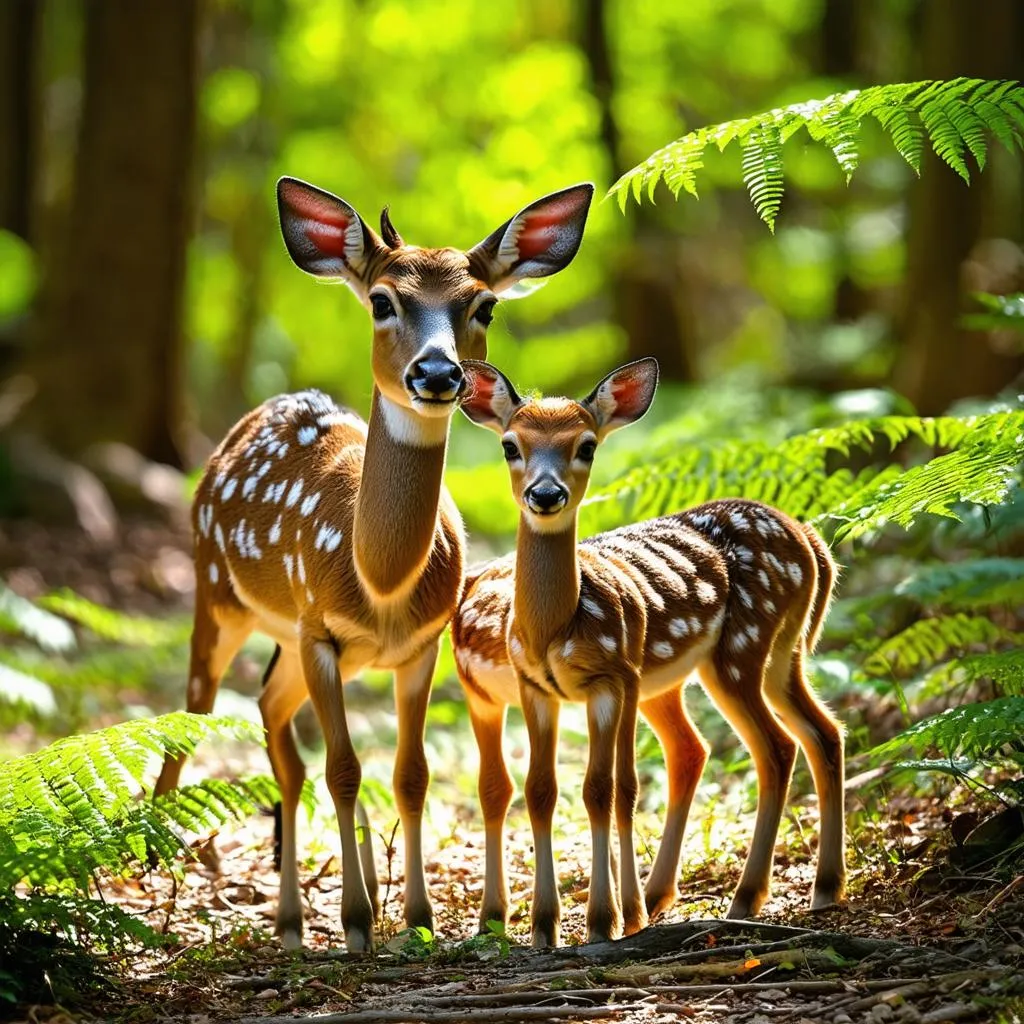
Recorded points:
(113, 625)
(929, 641)
(762, 172)
(19, 616)
(971, 585)
(1004, 669)
(974, 731)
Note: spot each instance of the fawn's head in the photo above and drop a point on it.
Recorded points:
(430, 307)
(550, 443)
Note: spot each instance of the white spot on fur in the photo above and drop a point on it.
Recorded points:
(662, 649)
(220, 478)
(739, 520)
(307, 435)
(288, 567)
(300, 568)
(568, 647)
(195, 689)
(744, 596)
(739, 641)
(515, 645)
(294, 493)
(310, 502)
(716, 621)
(607, 642)
(678, 628)
(249, 486)
(763, 577)
(591, 606)
(274, 535)
(218, 536)
(753, 632)
(769, 607)
(214, 572)
(695, 626)
(603, 706)
(467, 616)
(744, 554)
(327, 538)
(706, 592)
(796, 574)
(283, 450)
(735, 672)
(309, 595)
(263, 470)
(229, 489)
(205, 519)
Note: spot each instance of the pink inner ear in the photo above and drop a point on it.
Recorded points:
(483, 390)
(538, 233)
(629, 393)
(325, 224)
(328, 239)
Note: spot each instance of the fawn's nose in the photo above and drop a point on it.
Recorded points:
(435, 378)
(546, 497)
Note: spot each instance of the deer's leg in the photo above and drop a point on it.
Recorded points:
(217, 636)
(627, 785)
(495, 790)
(821, 739)
(412, 692)
(541, 716)
(773, 750)
(284, 693)
(604, 713)
(343, 773)
(686, 754)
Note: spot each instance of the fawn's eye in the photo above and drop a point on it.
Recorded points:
(585, 452)
(511, 450)
(382, 308)
(485, 312)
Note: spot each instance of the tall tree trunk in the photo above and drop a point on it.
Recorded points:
(941, 361)
(107, 357)
(19, 38)
(649, 284)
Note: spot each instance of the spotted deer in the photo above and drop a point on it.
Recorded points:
(336, 537)
(732, 589)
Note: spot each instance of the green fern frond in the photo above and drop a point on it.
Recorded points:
(22, 617)
(975, 731)
(109, 624)
(955, 116)
(799, 474)
(929, 641)
(1003, 669)
(1002, 312)
(978, 583)
(73, 807)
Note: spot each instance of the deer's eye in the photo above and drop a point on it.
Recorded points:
(585, 452)
(382, 308)
(511, 450)
(485, 312)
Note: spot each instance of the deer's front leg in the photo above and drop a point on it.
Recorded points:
(412, 692)
(627, 785)
(541, 714)
(495, 791)
(604, 712)
(320, 667)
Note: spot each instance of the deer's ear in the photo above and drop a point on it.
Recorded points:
(623, 396)
(491, 400)
(538, 241)
(324, 235)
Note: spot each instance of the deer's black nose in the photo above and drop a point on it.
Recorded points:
(435, 377)
(546, 496)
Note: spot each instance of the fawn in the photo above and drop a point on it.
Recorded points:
(336, 537)
(733, 589)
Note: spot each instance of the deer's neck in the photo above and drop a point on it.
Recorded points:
(547, 584)
(397, 504)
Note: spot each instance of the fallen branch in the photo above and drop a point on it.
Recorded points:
(648, 972)
(418, 1016)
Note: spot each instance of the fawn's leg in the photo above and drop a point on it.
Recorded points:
(773, 751)
(686, 754)
(541, 716)
(627, 785)
(604, 713)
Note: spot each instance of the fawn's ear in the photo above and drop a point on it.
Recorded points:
(324, 235)
(623, 396)
(491, 400)
(538, 241)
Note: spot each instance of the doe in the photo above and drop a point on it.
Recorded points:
(336, 537)
(733, 589)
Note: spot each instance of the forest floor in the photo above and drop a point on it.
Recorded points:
(926, 936)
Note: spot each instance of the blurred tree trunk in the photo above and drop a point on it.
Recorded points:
(940, 361)
(107, 356)
(19, 38)
(650, 287)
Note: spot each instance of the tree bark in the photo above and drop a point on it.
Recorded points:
(108, 352)
(19, 37)
(649, 286)
(940, 361)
